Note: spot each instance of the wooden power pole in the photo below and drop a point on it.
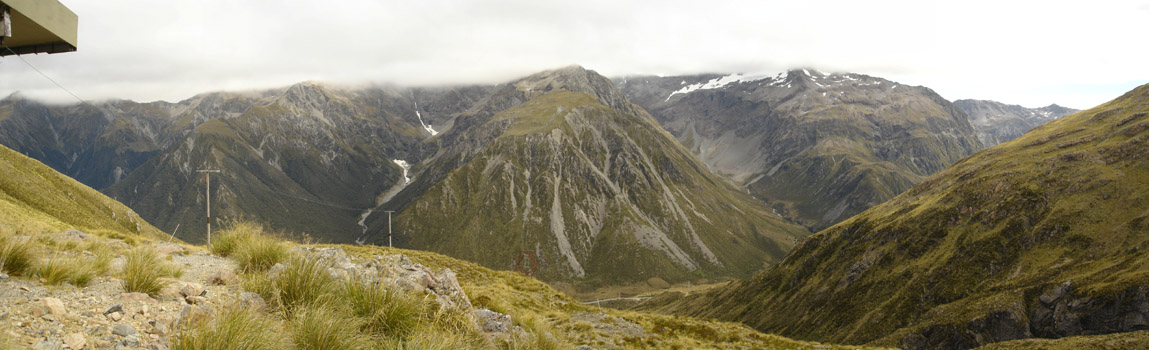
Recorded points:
(389, 227)
(208, 172)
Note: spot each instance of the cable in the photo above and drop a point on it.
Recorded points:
(47, 77)
(310, 200)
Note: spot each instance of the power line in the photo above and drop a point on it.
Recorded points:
(47, 77)
(309, 200)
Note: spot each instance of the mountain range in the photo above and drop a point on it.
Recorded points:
(590, 184)
(559, 164)
(71, 277)
(996, 122)
(818, 147)
(1041, 236)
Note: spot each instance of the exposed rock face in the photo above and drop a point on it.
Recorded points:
(559, 164)
(817, 147)
(1042, 236)
(996, 122)
(94, 144)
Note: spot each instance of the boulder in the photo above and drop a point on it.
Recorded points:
(191, 290)
(400, 272)
(193, 314)
(491, 322)
(123, 330)
(75, 341)
(54, 306)
(338, 263)
(114, 308)
(252, 300)
(136, 296)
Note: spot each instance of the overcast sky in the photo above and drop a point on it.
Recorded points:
(1033, 53)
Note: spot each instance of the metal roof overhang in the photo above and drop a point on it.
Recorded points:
(40, 26)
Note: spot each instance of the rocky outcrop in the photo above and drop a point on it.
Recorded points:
(396, 271)
(1059, 313)
(1054, 313)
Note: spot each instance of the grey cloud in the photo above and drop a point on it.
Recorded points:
(171, 50)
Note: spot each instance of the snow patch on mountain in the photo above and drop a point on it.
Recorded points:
(425, 126)
(718, 83)
(406, 169)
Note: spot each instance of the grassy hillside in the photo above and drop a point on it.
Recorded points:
(530, 299)
(1043, 236)
(35, 198)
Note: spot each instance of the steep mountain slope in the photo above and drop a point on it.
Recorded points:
(817, 147)
(310, 159)
(996, 122)
(1042, 236)
(34, 198)
(284, 152)
(562, 165)
(85, 142)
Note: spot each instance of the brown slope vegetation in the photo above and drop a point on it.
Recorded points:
(1043, 236)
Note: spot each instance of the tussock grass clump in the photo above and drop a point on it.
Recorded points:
(16, 255)
(260, 253)
(103, 255)
(250, 247)
(321, 326)
(57, 270)
(431, 340)
(231, 237)
(454, 321)
(386, 312)
(301, 282)
(234, 327)
(143, 270)
(539, 336)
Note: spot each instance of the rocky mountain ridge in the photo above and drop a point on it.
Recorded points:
(595, 190)
(997, 122)
(284, 152)
(818, 147)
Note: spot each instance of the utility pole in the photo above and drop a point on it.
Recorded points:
(208, 172)
(389, 227)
